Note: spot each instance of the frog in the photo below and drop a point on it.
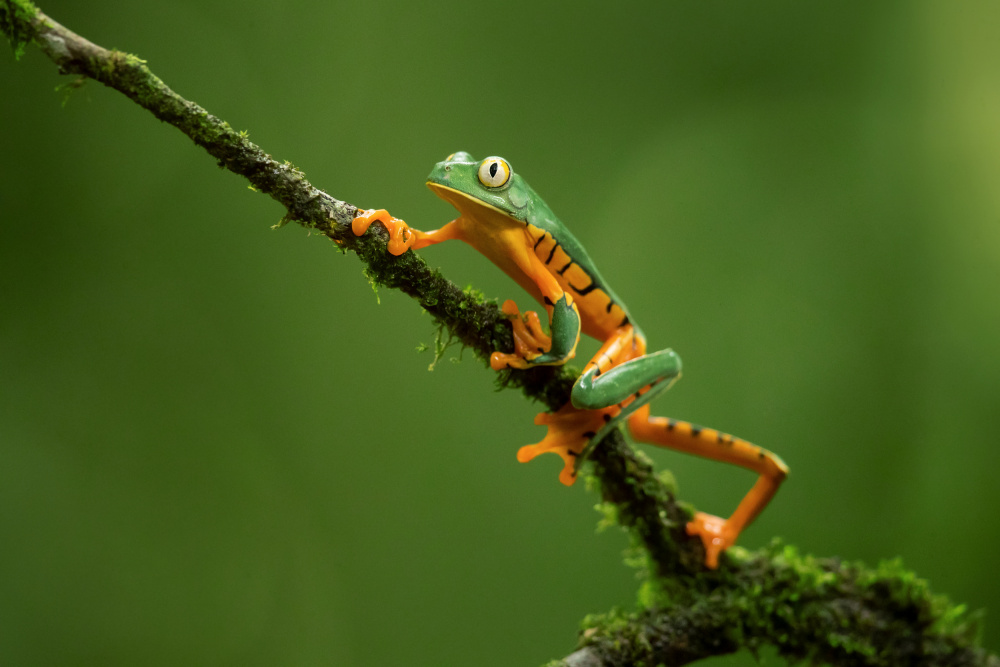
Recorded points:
(503, 218)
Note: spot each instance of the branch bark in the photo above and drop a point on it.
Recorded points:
(841, 613)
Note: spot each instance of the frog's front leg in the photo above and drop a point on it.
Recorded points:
(402, 237)
(531, 346)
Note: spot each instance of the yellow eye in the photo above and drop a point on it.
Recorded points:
(494, 172)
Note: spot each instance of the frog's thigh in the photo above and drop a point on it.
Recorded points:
(596, 389)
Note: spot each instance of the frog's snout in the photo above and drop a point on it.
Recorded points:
(440, 173)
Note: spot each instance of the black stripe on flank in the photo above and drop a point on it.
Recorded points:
(610, 306)
(584, 291)
(548, 302)
(563, 269)
(553, 253)
(624, 321)
(539, 241)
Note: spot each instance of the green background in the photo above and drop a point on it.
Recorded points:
(217, 447)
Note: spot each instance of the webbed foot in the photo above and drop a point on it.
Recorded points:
(530, 341)
(569, 432)
(401, 237)
(717, 535)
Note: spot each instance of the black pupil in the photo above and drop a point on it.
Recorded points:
(493, 170)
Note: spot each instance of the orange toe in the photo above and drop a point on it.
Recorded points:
(716, 535)
(569, 431)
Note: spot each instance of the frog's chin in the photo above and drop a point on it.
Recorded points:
(457, 198)
(460, 200)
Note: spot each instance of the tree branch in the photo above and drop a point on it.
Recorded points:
(846, 614)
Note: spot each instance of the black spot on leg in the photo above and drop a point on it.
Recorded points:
(540, 349)
(548, 302)
(589, 434)
(695, 431)
(607, 417)
(671, 423)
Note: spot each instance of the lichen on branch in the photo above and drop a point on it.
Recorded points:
(824, 609)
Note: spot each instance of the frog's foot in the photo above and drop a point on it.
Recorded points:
(569, 432)
(401, 237)
(716, 534)
(530, 341)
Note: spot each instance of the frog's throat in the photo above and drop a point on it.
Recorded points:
(461, 200)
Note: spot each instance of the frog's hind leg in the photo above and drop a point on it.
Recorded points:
(571, 428)
(716, 534)
(622, 375)
(614, 383)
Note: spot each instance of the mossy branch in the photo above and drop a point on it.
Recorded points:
(822, 609)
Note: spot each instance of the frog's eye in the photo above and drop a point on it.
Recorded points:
(494, 172)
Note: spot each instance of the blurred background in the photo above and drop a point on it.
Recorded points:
(218, 447)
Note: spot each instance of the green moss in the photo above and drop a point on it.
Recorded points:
(811, 608)
(16, 17)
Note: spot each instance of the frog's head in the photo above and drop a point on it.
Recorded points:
(459, 178)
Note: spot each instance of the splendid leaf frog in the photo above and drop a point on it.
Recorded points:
(503, 218)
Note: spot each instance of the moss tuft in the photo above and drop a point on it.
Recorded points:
(16, 17)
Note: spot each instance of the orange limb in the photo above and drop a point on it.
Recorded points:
(619, 348)
(716, 534)
(530, 340)
(402, 237)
